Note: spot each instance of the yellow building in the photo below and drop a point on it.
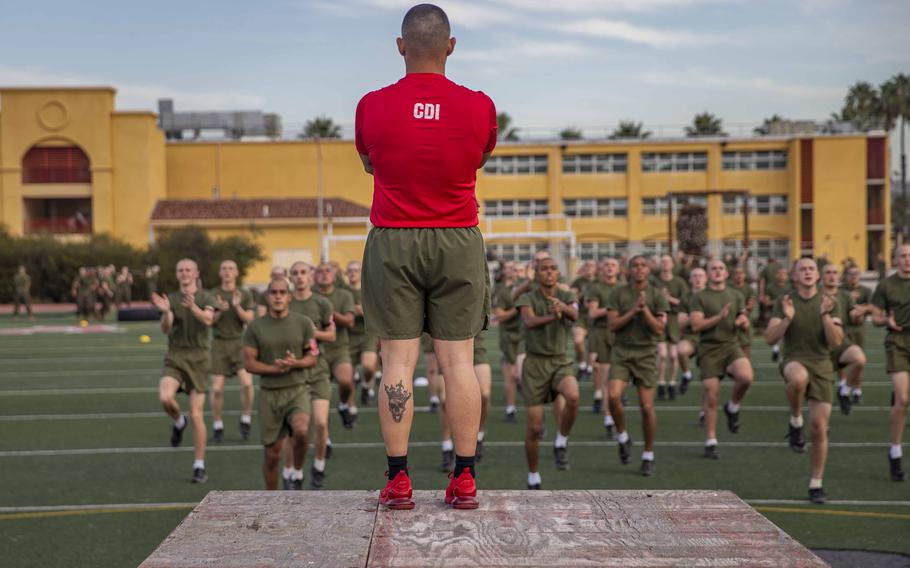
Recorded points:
(71, 164)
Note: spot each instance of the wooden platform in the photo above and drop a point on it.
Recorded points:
(511, 528)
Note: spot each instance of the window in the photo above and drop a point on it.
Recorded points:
(758, 205)
(595, 207)
(594, 163)
(516, 208)
(56, 164)
(657, 206)
(596, 251)
(674, 161)
(653, 247)
(755, 160)
(518, 252)
(516, 165)
(760, 248)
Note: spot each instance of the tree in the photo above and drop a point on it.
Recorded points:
(195, 243)
(765, 128)
(895, 106)
(629, 129)
(320, 127)
(571, 133)
(862, 106)
(705, 124)
(505, 130)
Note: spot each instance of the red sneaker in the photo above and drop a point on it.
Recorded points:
(462, 492)
(397, 493)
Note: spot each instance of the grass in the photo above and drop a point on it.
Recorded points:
(119, 409)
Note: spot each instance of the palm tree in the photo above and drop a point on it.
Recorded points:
(765, 128)
(505, 130)
(862, 106)
(895, 105)
(629, 129)
(571, 133)
(320, 127)
(706, 124)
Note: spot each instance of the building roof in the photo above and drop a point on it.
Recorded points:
(253, 209)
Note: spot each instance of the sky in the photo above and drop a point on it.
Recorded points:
(548, 63)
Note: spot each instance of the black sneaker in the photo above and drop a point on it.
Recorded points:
(598, 406)
(512, 417)
(684, 384)
(775, 355)
(364, 395)
(897, 470)
(845, 403)
(285, 483)
(661, 392)
(434, 406)
(562, 458)
(732, 420)
(711, 452)
(625, 451)
(352, 416)
(857, 398)
(199, 475)
(671, 391)
(316, 478)
(328, 451)
(795, 439)
(701, 418)
(448, 461)
(624, 399)
(218, 435)
(534, 487)
(346, 415)
(297, 484)
(177, 433)
(648, 468)
(245, 431)
(609, 429)
(818, 496)
(478, 452)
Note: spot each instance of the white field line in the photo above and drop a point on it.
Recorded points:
(365, 445)
(370, 410)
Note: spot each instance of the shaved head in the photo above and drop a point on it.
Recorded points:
(426, 31)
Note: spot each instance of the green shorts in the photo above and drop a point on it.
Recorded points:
(319, 384)
(857, 336)
(509, 345)
(636, 367)
(361, 343)
(693, 339)
(426, 344)
(275, 409)
(433, 280)
(897, 352)
(190, 366)
(744, 337)
(227, 356)
(837, 353)
(821, 379)
(671, 330)
(540, 377)
(335, 355)
(480, 351)
(713, 359)
(600, 340)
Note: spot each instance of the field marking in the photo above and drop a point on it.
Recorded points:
(834, 513)
(842, 502)
(77, 510)
(368, 410)
(370, 445)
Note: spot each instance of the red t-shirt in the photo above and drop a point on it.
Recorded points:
(425, 137)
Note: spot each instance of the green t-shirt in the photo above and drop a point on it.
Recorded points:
(710, 303)
(805, 337)
(636, 335)
(187, 331)
(343, 303)
(774, 290)
(599, 292)
(676, 286)
(552, 339)
(358, 329)
(858, 296)
(229, 324)
(86, 285)
(770, 273)
(22, 282)
(318, 308)
(273, 338)
(893, 295)
(503, 300)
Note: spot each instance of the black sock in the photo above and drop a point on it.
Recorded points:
(462, 462)
(396, 464)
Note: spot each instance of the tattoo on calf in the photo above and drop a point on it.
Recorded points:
(398, 400)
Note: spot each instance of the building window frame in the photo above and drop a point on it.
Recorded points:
(516, 164)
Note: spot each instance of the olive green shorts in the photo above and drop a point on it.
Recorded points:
(319, 385)
(821, 379)
(275, 409)
(837, 353)
(671, 330)
(335, 355)
(744, 337)
(227, 356)
(540, 377)
(600, 341)
(361, 343)
(897, 352)
(857, 336)
(426, 344)
(190, 366)
(693, 339)
(713, 359)
(510, 345)
(433, 280)
(480, 351)
(636, 367)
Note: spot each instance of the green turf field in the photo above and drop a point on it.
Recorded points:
(82, 430)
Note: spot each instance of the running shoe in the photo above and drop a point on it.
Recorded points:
(701, 418)
(245, 431)
(818, 496)
(534, 487)
(795, 439)
(684, 381)
(732, 419)
(199, 475)
(671, 392)
(711, 452)
(897, 470)
(512, 417)
(661, 392)
(347, 419)
(609, 429)
(328, 451)
(218, 435)
(285, 483)
(598, 406)
(434, 404)
(397, 493)
(316, 478)
(857, 398)
(297, 484)
(625, 451)
(624, 399)
(177, 433)
(775, 355)
(845, 403)
(364, 395)
(561, 455)
(448, 460)
(648, 468)
(462, 491)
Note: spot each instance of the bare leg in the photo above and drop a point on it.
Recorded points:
(672, 362)
(663, 353)
(648, 416)
(819, 413)
(368, 361)
(797, 379)
(197, 417)
(321, 424)
(510, 380)
(855, 359)
(456, 363)
(741, 369)
(616, 410)
(711, 400)
(300, 426)
(484, 378)
(217, 397)
(568, 389)
(270, 461)
(167, 396)
(246, 392)
(535, 428)
(901, 383)
(344, 374)
(396, 398)
(578, 335)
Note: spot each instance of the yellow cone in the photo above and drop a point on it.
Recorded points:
(83, 323)
(144, 339)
